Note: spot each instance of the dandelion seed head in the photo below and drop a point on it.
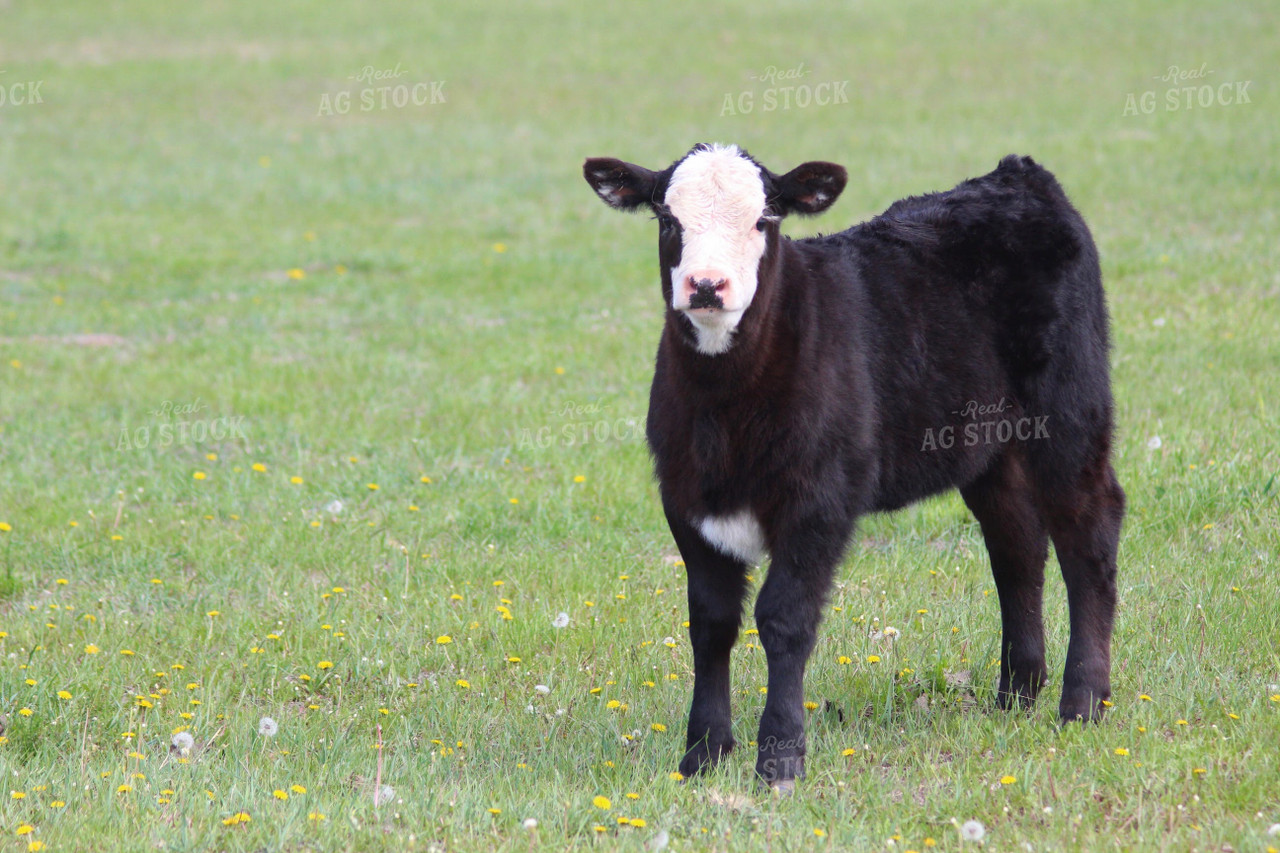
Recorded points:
(183, 742)
(268, 727)
(384, 794)
(972, 830)
(561, 620)
(530, 823)
(541, 688)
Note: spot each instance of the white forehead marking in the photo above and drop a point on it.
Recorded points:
(716, 188)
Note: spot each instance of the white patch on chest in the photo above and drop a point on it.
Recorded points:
(738, 535)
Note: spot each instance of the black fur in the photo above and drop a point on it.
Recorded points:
(858, 354)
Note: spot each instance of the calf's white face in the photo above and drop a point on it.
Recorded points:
(716, 198)
(717, 211)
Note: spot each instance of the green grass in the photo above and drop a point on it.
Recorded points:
(458, 288)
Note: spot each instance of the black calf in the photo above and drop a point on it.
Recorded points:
(959, 340)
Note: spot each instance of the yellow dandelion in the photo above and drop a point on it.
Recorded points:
(259, 467)
(1008, 780)
(17, 795)
(1181, 723)
(842, 660)
(495, 811)
(849, 751)
(373, 487)
(463, 683)
(1145, 698)
(676, 776)
(658, 727)
(873, 658)
(91, 649)
(280, 794)
(1120, 750)
(298, 789)
(811, 706)
(199, 475)
(821, 833)
(64, 694)
(315, 816)
(25, 829)
(579, 479)
(444, 639)
(602, 803)
(297, 481)
(325, 664)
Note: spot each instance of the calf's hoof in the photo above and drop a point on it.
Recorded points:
(784, 788)
(1018, 692)
(704, 755)
(780, 772)
(1082, 706)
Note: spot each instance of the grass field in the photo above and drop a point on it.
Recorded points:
(301, 418)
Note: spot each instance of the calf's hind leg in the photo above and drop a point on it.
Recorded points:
(717, 583)
(1084, 522)
(1004, 503)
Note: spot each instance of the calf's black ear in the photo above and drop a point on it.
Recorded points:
(623, 186)
(808, 188)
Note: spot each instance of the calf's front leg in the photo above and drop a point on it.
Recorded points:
(787, 614)
(717, 583)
